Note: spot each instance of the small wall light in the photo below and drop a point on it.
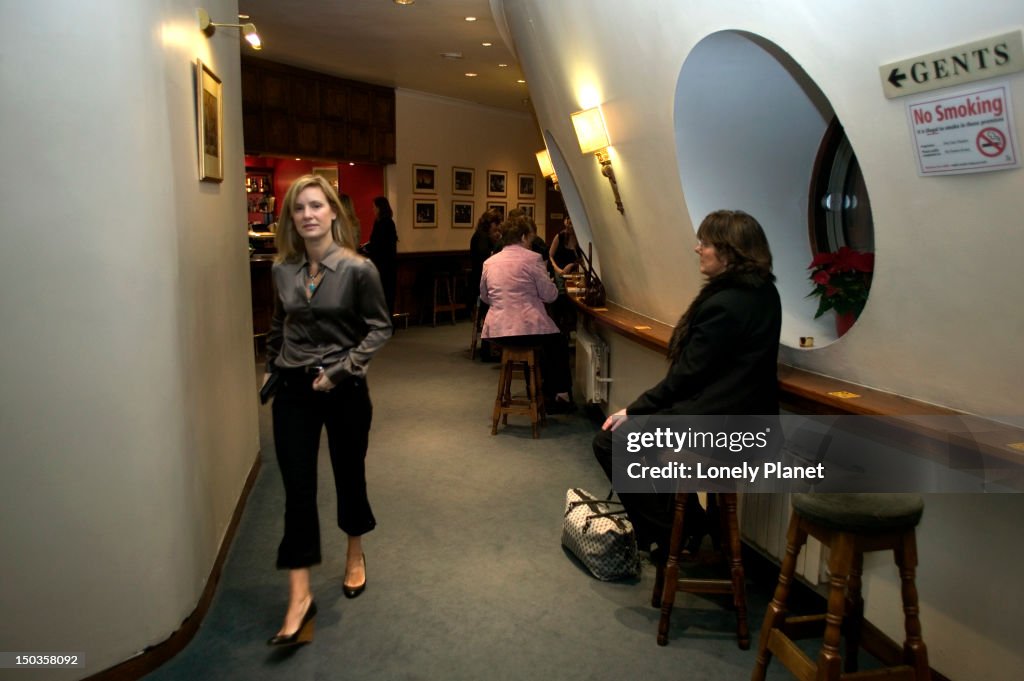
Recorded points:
(546, 168)
(593, 138)
(248, 30)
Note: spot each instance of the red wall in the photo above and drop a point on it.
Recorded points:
(361, 181)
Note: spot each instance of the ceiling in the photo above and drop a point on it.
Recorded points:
(381, 42)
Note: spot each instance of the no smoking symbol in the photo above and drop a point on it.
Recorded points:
(991, 142)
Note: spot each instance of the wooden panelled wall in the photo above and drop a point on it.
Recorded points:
(294, 112)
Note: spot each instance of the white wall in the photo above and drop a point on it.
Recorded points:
(444, 132)
(946, 312)
(127, 406)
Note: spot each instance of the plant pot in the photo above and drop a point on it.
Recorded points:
(844, 322)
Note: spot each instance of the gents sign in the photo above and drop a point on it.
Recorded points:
(987, 58)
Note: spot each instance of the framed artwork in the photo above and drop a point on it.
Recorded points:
(330, 173)
(210, 111)
(424, 213)
(527, 185)
(526, 208)
(424, 179)
(498, 206)
(462, 180)
(462, 214)
(496, 181)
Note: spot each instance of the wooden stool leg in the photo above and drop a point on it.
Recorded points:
(840, 562)
(532, 388)
(915, 653)
(502, 387)
(854, 614)
(775, 616)
(475, 330)
(671, 573)
(739, 590)
(449, 285)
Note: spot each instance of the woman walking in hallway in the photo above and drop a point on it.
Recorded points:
(329, 321)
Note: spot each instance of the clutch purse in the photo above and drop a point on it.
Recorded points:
(270, 387)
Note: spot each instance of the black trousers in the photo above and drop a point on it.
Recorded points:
(554, 360)
(299, 416)
(651, 514)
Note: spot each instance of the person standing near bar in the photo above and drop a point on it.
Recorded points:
(329, 321)
(382, 248)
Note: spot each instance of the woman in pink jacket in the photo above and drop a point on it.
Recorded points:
(515, 283)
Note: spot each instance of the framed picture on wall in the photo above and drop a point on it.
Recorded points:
(527, 185)
(526, 208)
(210, 111)
(462, 180)
(424, 179)
(330, 173)
(498, 206)
(462, 214)
(424, 213)
(496, 181)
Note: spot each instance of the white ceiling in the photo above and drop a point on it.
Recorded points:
(378, 41)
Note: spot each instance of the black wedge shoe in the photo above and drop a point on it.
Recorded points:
(353, 591)
(302, 635)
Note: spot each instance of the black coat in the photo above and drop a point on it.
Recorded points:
(728, 359)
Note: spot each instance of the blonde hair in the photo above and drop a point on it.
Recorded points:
(290, 246)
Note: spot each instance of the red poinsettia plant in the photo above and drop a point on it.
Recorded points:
(841, 280)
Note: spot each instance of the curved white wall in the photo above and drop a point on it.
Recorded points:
(127, 406)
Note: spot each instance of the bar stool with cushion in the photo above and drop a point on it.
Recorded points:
(532, 405)
(850, 525)
(667, 580)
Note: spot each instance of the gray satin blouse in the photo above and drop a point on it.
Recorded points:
(340, 328)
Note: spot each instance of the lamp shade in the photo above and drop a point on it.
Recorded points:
(544, 161)
(590, 130)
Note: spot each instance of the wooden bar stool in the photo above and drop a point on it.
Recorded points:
(667, 580)
(850, 525)
(444, 296)
(525, 358)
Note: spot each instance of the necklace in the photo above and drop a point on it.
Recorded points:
(313, 280)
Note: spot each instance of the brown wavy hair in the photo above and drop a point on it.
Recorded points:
(740, 241)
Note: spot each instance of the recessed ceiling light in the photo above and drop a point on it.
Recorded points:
(486, 44)
(471, 75)
(243, 16)
(350, 163)
(502, 65)
(470, 18)
(520, 81)
(452, 55)
(404, 2)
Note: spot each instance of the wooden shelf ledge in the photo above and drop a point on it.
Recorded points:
(804, 392)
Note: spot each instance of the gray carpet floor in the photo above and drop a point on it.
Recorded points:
(466, 575)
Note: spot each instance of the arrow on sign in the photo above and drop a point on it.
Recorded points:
(895, 77)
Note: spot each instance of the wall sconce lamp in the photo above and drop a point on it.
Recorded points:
(248, 30)
(593, 137)
(546, 168)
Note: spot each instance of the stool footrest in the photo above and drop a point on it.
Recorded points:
(708, 585)
(805, 626)
(791, 656)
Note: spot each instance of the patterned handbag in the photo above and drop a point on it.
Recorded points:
(600, 536)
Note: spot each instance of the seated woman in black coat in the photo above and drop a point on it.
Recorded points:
(723, 355)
